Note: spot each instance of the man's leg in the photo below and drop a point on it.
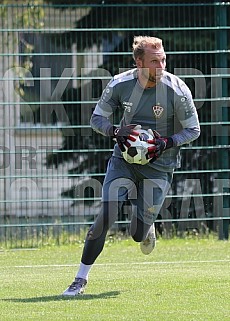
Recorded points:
(144, 233)
(117, 186)
(94, 244)
(151, 195)
(138, 229)
(96, 235)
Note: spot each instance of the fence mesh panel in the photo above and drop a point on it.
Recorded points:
(55, 61)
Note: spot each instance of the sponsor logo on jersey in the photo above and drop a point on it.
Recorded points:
(188, 106)
(127, 106)
(158, 111)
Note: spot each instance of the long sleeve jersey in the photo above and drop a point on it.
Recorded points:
(168, 108)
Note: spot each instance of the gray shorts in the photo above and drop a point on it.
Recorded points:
(145, 187)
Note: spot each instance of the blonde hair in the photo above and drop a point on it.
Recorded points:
(141, 42)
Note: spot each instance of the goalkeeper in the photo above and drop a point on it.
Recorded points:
(157, 100)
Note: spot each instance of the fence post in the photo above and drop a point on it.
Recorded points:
(222, 139)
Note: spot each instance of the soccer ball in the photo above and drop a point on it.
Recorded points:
(137, 152)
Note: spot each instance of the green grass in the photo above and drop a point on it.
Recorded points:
(181, 280)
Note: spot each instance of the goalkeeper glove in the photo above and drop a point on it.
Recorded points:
(124, 133)
(160, 144)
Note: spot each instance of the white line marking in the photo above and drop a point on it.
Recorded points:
(115, 264)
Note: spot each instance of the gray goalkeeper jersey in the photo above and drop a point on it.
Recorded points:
(168, 108)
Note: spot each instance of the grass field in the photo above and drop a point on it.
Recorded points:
(181, 280)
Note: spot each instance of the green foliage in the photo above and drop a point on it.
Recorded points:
(144, 17)
(141, 17)
(33, 16)
(28, 15)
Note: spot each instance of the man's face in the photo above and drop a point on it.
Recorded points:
(153, 64)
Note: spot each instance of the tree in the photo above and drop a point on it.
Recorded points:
(139, 16)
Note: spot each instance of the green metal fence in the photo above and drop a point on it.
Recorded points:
(54, 62)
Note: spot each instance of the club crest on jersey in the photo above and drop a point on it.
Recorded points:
(158, 111)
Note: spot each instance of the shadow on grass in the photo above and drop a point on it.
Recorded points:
(104, 295)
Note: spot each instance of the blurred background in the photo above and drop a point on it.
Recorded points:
(55, 59)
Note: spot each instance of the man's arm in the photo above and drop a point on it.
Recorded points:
(187, 115)
(101, 125)
(104, 109)
(186, 136)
